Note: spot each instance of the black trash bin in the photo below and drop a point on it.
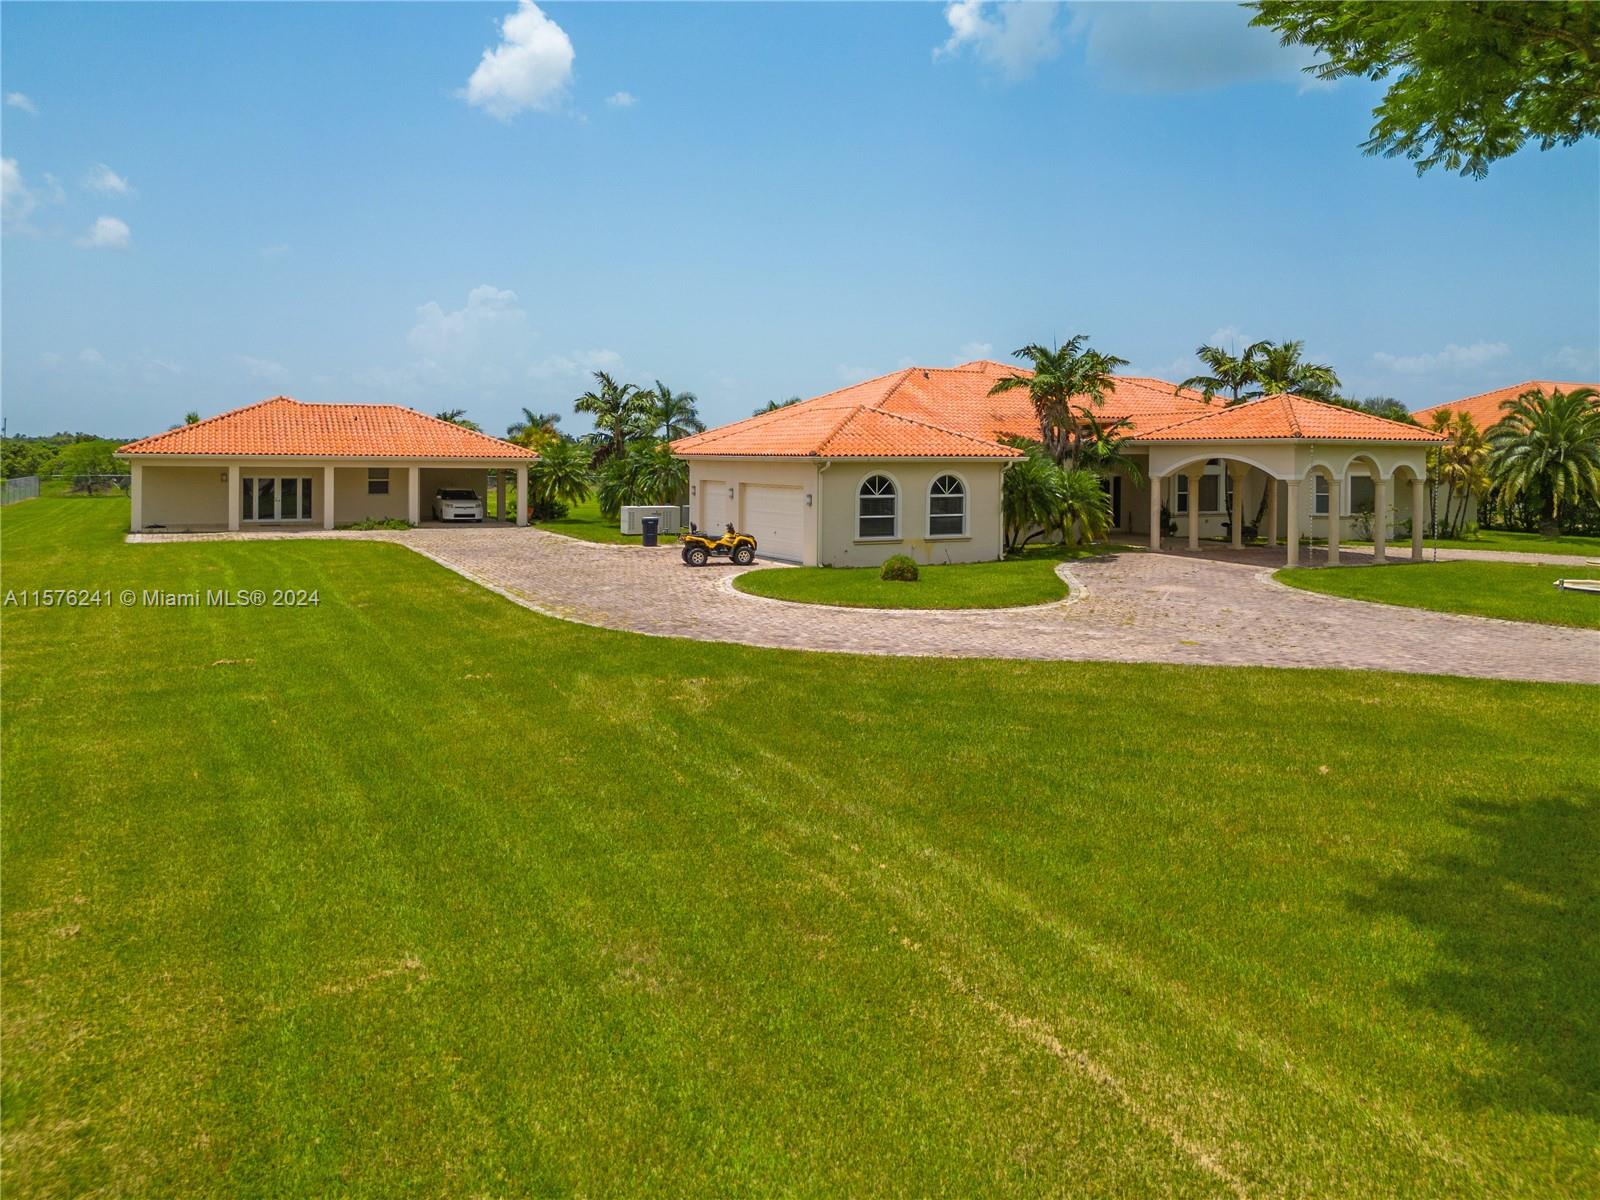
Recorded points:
(650, 527)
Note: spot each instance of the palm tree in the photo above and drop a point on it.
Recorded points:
(1068, 383)
(191, 418)
(645, 473)
(775, 405)
(534, 426)
(1279, 370)
(1547, 448)
(457, 416)
(1105, 449)
(616, 408)
(1030, 494)
(1085, 506)
(1462, 466)
(560, 476)
(1229, 372)
(674, 415)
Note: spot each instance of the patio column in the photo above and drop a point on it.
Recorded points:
(233, 497)
(327, 496)
(1419, 501)
(1239, 474)
(500, 493)
(1380, 515)
(136, 495)
(522, 495)
(414, 495)
(1194, 504)
(1291, 521)
(1335, 495)
(1155, 510)
(1272, 510)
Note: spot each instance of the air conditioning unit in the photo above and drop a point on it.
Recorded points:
(633, 513)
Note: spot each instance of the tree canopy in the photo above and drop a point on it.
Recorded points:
(1472, 80)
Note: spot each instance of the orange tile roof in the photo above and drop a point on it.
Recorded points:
(1484, 408)
(926, 412)
(1274, 417)
(283, 427)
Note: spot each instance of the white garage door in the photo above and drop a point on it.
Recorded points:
(776, 516)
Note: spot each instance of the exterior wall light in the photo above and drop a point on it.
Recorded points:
(730, 493)
(808, 499)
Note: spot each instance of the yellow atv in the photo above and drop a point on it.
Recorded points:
(699, 548)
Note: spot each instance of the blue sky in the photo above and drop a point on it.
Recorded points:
(206, 205)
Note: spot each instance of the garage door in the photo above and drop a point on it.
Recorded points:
(776, 516)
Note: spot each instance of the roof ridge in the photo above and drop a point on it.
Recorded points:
(1343, 408)
(941, 428)
(208, 420)
(850, 414)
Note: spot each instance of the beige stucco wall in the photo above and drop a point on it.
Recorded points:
(840, 485)
(710, 480)
(352, 502)
(182, 497)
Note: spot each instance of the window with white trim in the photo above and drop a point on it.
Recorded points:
(1361, 496)
(377, 481)
(947, 507)
(1319, 492)
(1216, 490)
(877, 508)
(275, 498)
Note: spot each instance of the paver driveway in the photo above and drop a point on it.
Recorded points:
(1132, 607)
(1220, 609)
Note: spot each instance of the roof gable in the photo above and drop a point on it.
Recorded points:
(1289, 417)
(283, 427)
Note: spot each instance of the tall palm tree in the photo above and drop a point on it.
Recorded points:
(540, 425)
(673, 414)
(1279, 369)
(615, 408)
(191, 417)
(1105, 449)
(1068, 383)
(1230, 373)
(775, 405)
(1461, 464)
(1547, 448)
(458, 416)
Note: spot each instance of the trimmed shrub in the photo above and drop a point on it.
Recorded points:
(547, 510)
(899, 567)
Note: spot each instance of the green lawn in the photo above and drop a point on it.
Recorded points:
(1515, 591)
(416, 892)
(1029, 578)
(584, 521)
(1503, 540)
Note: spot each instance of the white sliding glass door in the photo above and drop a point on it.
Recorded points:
(275, 498)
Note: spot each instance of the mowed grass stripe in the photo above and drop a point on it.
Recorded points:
(505, 904)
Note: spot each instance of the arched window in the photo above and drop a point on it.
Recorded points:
(877, 508)
(947, 507)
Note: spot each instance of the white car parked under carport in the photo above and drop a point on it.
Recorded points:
(457, 504)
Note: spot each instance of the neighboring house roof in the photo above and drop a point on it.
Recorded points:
(281, 427)
(1274, 417)
(926, 412)
(1484, 408)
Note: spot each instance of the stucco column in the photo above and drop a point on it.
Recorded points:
(1194, 506)
(327, 496)
(233, 497)
(1155, 511)
(1419, 502)
(1239, 476)
(1335, 496)
(1291, 521)
(414, 495)
(1380, 516)
(500, 493)
(522, 495)
(1272, 510)
(136, 497)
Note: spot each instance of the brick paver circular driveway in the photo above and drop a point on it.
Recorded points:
(1128, 607)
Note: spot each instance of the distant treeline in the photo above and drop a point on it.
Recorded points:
(60, 454)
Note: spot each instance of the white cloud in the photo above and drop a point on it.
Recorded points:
(1578, 360)
(107, 233)
(90, 357)
(488, 310)
(1452, 358)
(107, 182)
(583, 362)
(20, 100)
(530, 68)
(274, 251)
(262, 368)
(1155, 47)
(972, 351)
(1012, 37)
(17, 199)
(622, 100)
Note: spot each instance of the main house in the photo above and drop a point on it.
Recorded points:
(913, 463)
(289, 464)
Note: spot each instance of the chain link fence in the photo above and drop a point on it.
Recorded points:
(24, 487)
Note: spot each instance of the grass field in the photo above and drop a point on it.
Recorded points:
(1515, 591)
(416, 892)
(1504, 541)
(1029, 578)
(584, 521)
